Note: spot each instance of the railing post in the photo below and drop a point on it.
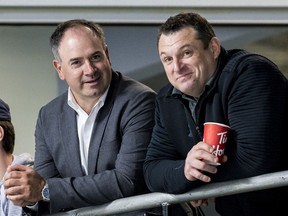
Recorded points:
(165, 209)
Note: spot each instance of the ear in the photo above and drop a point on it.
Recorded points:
(58, 68)
(1, 133)
(215, 47)
(107, 54)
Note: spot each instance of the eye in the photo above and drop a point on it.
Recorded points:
(75, 62)
(167, 60)
(96, 57)
(187, 53)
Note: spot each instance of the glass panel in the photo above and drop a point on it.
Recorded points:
(274, 47)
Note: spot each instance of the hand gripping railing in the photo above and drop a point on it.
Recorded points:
(151, 200)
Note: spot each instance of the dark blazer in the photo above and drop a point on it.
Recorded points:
(249, 94)
(117, 150)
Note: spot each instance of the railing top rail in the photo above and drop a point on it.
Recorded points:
(151, 200)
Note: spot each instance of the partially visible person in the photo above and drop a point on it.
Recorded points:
(91, 141)
(211, 84)
(7, 158)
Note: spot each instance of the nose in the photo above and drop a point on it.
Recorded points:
(89, 67)
(176, 65)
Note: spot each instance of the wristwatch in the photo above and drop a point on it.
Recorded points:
(45, 193)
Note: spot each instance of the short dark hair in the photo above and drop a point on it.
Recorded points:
(182, 20)
(60, 30)
(8, 141)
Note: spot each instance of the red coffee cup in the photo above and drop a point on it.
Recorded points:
(216, 134)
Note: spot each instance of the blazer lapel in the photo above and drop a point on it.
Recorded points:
(68, 130)
(97, 136)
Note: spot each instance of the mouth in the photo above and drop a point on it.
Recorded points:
(92, 81)
(184, 76)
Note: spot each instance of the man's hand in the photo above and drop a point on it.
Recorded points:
(23, 185)
(197, 162)
(203, 202)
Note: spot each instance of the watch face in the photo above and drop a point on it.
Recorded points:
(45, 193)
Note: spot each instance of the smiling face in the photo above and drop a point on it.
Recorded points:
(187, 64)
(85, 64)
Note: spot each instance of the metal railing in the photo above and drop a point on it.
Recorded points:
(151, 200)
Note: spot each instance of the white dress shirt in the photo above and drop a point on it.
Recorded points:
(85, 124)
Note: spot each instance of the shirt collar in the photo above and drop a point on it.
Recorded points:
(73, 104)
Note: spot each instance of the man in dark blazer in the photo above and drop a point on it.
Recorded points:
(91, 141)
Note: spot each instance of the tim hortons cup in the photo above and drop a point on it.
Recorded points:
(216, 134)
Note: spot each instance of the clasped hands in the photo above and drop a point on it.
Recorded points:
(23, 185)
